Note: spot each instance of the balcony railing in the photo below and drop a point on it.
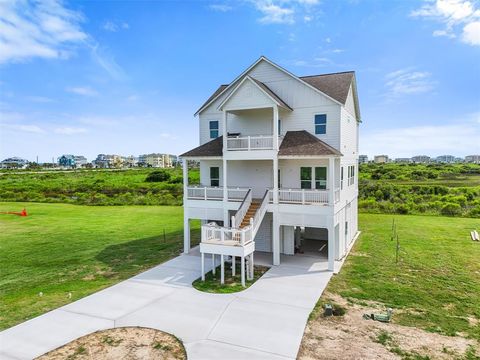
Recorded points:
(214, 234)
(302, 196)
(215, 193)
(248, 143)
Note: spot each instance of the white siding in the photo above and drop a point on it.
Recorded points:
(255, 174)
(263, 239)
(350, 103)
(290, 171)
(304, 101)
(205, 171)
(248, 96)
(251, 122)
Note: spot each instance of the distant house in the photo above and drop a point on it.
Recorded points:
(72, 161)
(363, 159)
(380, 159)
(130, 161)
(421, 159)
(403, 160)
(449, 159)
(472, 159)
(104, 161)
(156, 160)
(13, 163)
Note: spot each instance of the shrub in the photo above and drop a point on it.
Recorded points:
(158, 176)
(451, 209)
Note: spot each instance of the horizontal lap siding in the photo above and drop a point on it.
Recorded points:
(304, 101)
(263, 239)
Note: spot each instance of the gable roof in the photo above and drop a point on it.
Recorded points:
(336, 85)
(298, 143)
(295, 143)
(262, 87)
(310, 84)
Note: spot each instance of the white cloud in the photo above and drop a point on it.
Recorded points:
(107, 62)
(82, 90)
(430, 139)
(44, 29)
(66, 130)
(407, 81)
(471, 33)
(454, 15)
(285, 11)
(24, 128)
(220, 7)
(114, 26)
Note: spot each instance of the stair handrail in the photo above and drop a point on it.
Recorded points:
(242, 210)
(257, 218)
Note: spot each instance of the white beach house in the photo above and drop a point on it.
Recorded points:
(278, 166)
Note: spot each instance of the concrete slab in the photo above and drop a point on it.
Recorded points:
(119, 300)
(47, 332)
(289, 286)
(214, 350)
(187, 262)
(187, 313)
(263, 326)
(171, 276)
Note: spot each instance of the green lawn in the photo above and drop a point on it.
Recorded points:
(436, 283)
(232, 284)
(60, 249)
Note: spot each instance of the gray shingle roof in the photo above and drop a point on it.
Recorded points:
(295, 143)
(298, 143)
(334, 85)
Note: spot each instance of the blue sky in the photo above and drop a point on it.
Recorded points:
(126, 77)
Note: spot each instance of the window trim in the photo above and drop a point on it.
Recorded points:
(212, 179)
(214, 129)
(321, 124)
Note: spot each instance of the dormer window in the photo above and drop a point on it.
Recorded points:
(320, 124)
(213, 129)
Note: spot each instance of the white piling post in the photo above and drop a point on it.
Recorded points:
(243, 270)
(222, 272)
(203, 266)
(213, 264)
(233, 265)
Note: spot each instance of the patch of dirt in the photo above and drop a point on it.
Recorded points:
(352, 337)
(121, 343)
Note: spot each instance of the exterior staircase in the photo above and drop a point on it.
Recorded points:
(252, 210)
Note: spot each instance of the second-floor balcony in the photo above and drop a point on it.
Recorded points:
(249, 143)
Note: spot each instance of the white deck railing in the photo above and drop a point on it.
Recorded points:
(215, 193)
(247, 143)
(214, 234)
(242, 210)
(262, 209)
(302, 196)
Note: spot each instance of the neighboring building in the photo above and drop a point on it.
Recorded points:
(421, 159)
(14, 163)
(156, 160)
(278, 166)
(363, 159)
(449, 159)
(130, 161)
(472, 159)
(403, 160)
(108, 161)
(380, 159)
(72, 161)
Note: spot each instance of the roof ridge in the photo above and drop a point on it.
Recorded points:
(333, 73)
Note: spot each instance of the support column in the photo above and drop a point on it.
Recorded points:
(252, 267)
(233, 266)
(275, 127)
(331, 245)
(203, 266)
(276, 239)
(186, 222)
(226, 219)
(331, 180)
(275, 180)
(222, 270)
(213, 264)
(242, 261)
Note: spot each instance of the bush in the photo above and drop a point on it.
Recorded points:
(451, 209)
(158, 176)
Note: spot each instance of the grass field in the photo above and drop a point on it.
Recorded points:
(436, 284)
(60, 249)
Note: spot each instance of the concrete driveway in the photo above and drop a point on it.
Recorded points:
(266, 321)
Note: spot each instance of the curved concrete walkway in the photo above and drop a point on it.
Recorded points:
(266, 321)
